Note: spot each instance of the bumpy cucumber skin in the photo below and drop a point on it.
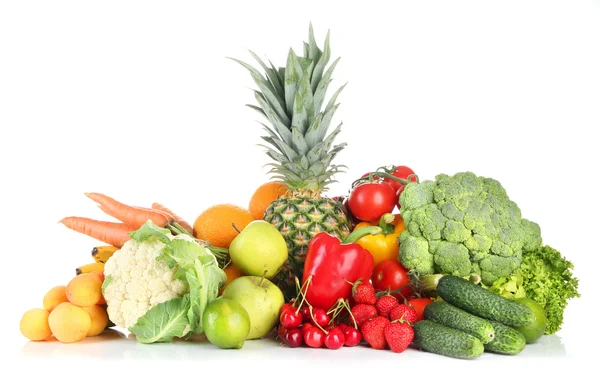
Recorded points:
(439, 339)
(507, 341)
(481, 302)
(453, 317)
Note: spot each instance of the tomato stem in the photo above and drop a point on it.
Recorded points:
(369, 178)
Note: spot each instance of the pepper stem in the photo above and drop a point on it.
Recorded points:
(361, 232)
(386, 223)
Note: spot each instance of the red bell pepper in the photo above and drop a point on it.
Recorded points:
(331, 263)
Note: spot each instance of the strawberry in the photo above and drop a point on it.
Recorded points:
(362, 312)
(404, 312)
(373, 331)
(385, 304)
(363, 292)
(398, 336)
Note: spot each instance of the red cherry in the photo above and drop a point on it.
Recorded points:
(334, 339)
(305, 311)
(306, 326)
(290, 319)
(320, 317)
(293, 337)
(314, 337)
(352, 336)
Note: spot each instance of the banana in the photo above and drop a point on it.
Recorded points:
(102, 253)
(90, 267)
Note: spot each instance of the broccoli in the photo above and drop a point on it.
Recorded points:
(462, 225)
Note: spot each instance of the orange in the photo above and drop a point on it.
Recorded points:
(264, 196)
(232, 272)
(216, 224)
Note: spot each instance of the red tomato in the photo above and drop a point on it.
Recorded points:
(398, 192)
(391, 274)
(401, 172)
(368, 202)
(419, 305)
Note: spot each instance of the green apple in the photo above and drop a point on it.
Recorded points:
(259, 250)
(535, 330)
(262, 300)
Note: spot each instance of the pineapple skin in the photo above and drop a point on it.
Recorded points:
(298, 219)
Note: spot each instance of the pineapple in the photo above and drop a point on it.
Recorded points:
(291, 99)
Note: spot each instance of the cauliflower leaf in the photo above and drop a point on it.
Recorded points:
(163, 322)
(199, 268)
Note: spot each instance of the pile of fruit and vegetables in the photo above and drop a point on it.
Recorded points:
(448, 265)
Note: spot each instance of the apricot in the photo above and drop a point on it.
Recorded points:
(84, 290)
(99, 319)
(100, 275)
(34, 324)
(55, 297)
(69, 323)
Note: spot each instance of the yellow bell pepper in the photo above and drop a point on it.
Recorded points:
(385, 245)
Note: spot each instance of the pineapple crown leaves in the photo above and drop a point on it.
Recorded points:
(291, 99)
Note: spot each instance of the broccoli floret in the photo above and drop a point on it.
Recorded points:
(532, 237)
(464, 224)
(430, 221)
(415, 254)
(494, 267)
(453, 258)
(455, 232)
(419, 194)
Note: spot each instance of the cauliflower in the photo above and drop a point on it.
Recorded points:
(463, 225)
(158, 284)
(138, 281)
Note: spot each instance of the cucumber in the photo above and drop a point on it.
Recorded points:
(481, 302)
(507, 341)
(437, 338)
(453, 317)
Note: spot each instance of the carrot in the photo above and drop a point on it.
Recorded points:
(115, 234)
(184, 224)
(133, 216)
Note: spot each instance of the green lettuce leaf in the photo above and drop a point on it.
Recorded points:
(163, 322)
(548, 279)
(509, 287)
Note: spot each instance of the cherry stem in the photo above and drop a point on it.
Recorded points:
(337, 309)
(347, 306)
(303, 294)
(310, 308)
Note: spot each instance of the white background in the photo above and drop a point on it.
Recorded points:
(138, 101)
